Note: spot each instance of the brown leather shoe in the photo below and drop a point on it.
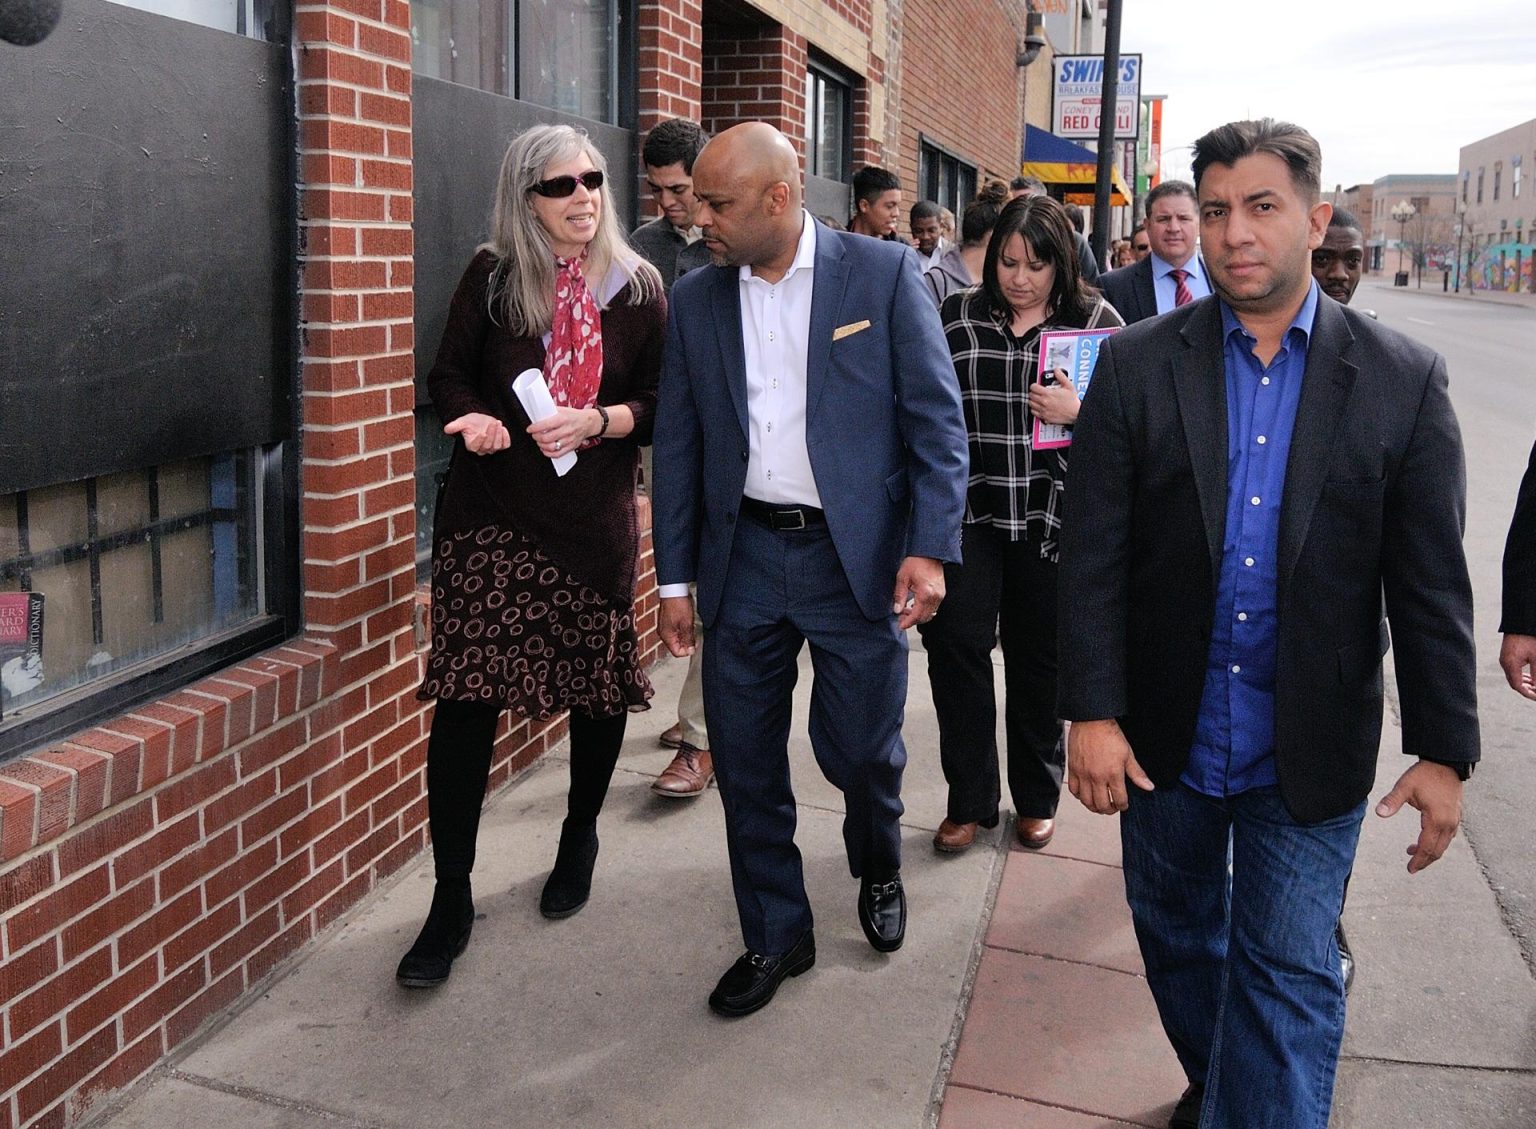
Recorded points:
(1034, 833)
(952, 838)
(672, 738)
(688, 774)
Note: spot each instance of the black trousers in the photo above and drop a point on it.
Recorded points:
(459, 764)
(1004, 591)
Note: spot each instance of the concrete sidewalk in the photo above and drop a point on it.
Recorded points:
(1372, 282)
(1017, 1000)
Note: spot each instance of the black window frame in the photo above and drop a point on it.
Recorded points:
(819, 71)
(934, 161)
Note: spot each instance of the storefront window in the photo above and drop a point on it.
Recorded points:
(243, 17)
(126, 568)
(566, 55)
(557, 53)
(829, 125)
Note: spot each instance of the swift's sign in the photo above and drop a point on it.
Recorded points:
(1077, 96)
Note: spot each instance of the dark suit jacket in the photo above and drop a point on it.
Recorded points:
(1129, 291)
(1519, 615)
(1373, 508)
(884, 427)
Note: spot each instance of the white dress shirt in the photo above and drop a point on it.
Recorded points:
(1165, 288)
(775, 338)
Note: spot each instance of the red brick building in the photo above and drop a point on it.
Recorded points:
(217, 468)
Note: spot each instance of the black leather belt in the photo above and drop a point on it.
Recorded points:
(781, 517)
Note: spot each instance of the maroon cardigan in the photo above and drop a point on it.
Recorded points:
(584, 522)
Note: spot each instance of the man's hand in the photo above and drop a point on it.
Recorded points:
(675, 623)
(483, 434)
(1099, 761)
(1518, 658)
(919, 591)
(1435, 790)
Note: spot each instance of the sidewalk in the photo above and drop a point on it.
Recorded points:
(1016, 1002)
(1493, 297)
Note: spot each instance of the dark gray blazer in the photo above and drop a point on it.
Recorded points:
(1519, 604)
(1129, 291)
(1373, 511)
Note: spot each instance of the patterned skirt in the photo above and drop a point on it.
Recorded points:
(512, 629)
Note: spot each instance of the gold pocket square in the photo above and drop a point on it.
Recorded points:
(850, 329)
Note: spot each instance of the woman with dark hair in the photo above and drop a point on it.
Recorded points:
(1006, 588)
(533, 567)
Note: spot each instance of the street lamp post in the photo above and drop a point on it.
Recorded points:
(1402, 212)
(1460, 216)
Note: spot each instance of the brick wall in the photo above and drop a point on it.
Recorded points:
(158, 867)
(756, 75)
(973, 111)
(670, 68)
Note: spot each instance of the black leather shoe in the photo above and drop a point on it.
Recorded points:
(570, 882)
(1186, 1115)
(444, 936)
(883, 910)
(751, 982)
(1346, 958)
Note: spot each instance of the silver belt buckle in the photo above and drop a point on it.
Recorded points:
(799, 512)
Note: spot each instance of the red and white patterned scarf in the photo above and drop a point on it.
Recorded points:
(573, 363)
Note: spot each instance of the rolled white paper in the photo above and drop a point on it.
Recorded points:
(538, 403)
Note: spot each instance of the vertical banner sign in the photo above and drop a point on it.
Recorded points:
(1155, 142)
(1077, 96)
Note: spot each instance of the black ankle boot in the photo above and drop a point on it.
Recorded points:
(570, 882)
(444, 936)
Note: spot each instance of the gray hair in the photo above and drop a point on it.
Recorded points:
(525, 276)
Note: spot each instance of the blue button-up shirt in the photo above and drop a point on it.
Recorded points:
(1234, 748)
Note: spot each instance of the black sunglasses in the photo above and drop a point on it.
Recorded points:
(560, 187)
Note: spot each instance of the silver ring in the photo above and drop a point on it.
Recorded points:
(558, 444)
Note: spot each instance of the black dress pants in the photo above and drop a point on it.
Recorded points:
(459, 764)
(1005, 590)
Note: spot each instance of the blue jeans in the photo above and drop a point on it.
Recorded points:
(1244, 965)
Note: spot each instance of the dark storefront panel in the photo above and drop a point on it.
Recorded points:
(145, 212)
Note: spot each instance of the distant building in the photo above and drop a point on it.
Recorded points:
(1428, 239)
(1356, 200)
(1494, 201)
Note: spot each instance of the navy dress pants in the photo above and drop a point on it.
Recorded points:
(784, 589)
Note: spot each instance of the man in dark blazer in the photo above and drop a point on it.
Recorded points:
(1517, 654)
(1255, 477)
(1150, 286)
(811, 464)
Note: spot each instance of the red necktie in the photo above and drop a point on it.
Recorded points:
(1181, 294)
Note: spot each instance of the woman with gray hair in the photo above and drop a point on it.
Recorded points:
(533, 567)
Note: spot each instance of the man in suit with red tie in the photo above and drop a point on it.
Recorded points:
(1172, 275)
(811, 464)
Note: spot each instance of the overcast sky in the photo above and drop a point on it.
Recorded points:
(1386, 86)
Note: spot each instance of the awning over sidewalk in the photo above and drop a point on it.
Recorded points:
(1067, 167)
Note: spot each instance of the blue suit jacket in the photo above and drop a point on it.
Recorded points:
(884, 426)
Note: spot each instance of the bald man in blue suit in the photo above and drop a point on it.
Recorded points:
(811, 466)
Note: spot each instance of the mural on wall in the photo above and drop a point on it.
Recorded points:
(1509, 266)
